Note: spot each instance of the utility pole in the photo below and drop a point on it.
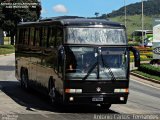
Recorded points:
(125, 13)
(142, 25)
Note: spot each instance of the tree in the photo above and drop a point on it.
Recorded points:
(96, 14)
(14, 15)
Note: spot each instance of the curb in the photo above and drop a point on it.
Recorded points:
(7, 54)
(145, 78)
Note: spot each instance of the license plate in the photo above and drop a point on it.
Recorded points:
(97, 99)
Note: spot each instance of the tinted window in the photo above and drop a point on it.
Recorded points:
(96, 36)
(44, 36)
(55, 36)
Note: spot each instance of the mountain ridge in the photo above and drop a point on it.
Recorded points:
(151, 8)
(134, 15)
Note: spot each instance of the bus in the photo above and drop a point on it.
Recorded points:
(75, 60)
(147, 36)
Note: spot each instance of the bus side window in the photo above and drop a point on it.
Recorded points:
(59, 37)
(26, 34)
(37, 37)
(48, 35)
(20, 36)
(17, 36)
(52, 37)
(31, 36)
(23, 35)
(44, 36)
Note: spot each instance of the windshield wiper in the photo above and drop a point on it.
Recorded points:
(109, 69)
(90, 70)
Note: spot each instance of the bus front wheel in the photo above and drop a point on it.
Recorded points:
(105, 106)
(52, 92)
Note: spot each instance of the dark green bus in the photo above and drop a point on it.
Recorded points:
(75, 60)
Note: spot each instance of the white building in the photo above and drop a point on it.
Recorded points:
(156, 42)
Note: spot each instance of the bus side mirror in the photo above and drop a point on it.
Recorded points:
(136, 54)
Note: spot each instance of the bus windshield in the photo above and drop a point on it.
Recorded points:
(96, 36)
(96, 63)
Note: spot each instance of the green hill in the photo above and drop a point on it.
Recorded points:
(151, 7)
(134, 11)
(134, 22)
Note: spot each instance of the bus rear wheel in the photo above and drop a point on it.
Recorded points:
(24, 79)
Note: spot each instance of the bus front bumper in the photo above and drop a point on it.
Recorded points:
(112, 98)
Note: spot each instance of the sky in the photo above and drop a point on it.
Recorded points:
(84, 8)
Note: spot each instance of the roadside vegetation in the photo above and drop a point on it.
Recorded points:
(6, 48)
(149, 71)
(147, 75)
(145, 54)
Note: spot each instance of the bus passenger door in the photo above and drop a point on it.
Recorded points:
(60, 69)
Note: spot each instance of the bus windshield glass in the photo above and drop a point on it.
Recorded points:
(96, 36)
(94, 63)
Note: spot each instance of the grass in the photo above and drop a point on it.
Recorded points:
(6, 49)
(146, 75)
(134, 22)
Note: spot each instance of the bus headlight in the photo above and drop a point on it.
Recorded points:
(73, 90)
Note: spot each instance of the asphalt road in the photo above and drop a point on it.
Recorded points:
(29, 105)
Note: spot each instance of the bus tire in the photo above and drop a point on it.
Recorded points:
(105, 106)
(24, 79)
(52, 92)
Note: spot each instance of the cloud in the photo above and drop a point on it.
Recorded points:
(60, 8)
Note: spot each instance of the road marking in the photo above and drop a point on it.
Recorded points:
(145, 84)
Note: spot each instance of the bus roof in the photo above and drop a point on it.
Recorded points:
(74, 21)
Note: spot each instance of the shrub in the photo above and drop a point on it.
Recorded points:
(148, 54)
(143, 57)
(150, 69)
(145, 53)
(143, 49)
(7, 46)
(6, 49)
(132, 44)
